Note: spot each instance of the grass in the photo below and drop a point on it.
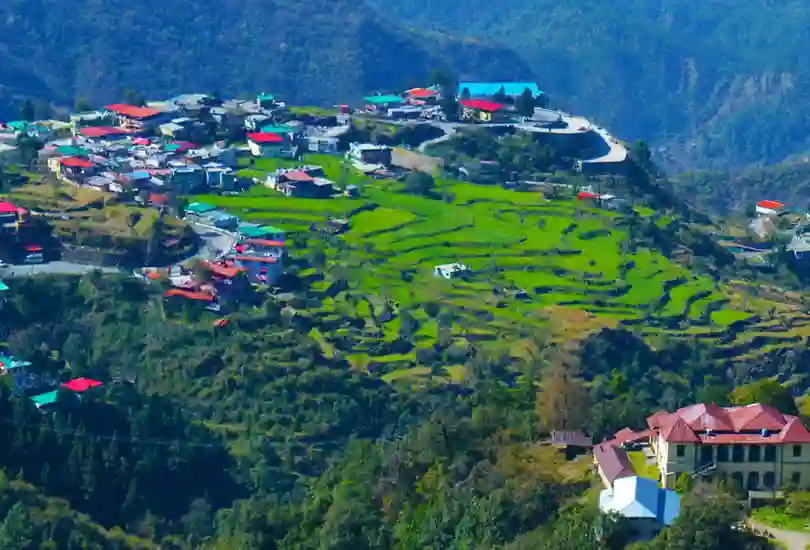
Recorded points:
(568, 257)
(780, 518)
(639, 462)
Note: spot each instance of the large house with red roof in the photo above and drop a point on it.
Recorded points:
(754, 446)
(138, 118)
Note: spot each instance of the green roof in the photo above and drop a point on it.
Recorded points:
(383, 99)
(271, 229)
(267, 97)
(277, 129)
(71, 151)
(18, 124)
(200, 207)
(3, 286)
(45, 398)
(253, 231)
(172, 147)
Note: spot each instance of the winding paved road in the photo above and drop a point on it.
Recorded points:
(215, 243)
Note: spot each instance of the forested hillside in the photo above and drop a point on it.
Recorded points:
(726, 191)
(248, 437)
(316, 51)
(716, 83)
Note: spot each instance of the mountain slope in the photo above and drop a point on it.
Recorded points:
(314, 51)
(716, 82)
(726, 191)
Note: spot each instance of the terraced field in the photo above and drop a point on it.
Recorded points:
(565, 256)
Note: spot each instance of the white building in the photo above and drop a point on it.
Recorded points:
(450, 271)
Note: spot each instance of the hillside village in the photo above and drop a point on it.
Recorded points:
(153, 154)
(193, 170)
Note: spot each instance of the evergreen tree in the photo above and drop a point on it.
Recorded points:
(27, 110)
(525, 103)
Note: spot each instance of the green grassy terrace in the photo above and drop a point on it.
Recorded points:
(564, 254)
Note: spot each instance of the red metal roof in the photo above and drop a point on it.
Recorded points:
(132, 111)
(679, 432)
(226, 271)
(626, 435)
(773, 205)
(712, 424)
(158, 198)
(482, 105)
(33, 248)
(100, 131)
(613, 462)
(582, 195)
(203, 296)
(76, 162)
(255, 259)
(265, 137)
(794, 432)
(80, 385)
(298, 175)
(265, 242)
(7, 208)
(422, 92)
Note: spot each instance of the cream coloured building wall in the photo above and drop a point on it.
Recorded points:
(790, 464)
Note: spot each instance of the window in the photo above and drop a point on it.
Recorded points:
(737, 453)
(706, 454)
(737, 479)
(680, 450)
(797, 451)
(753, 453)
(796, 479)
(769, 480)
(770, 453)
(722, 453)
(753, 481)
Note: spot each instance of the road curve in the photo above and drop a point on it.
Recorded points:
(215, 243)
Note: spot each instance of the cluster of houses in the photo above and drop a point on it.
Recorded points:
(21, 238)
(41, 389)
(488, 102)
(770, 222)
(256, 258)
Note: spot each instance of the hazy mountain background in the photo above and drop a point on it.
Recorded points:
(317, 51)
(710, 84)
(714, 83)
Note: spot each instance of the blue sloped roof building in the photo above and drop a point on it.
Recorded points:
(489, 89)
(640, 500)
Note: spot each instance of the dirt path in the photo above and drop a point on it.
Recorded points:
(793, 540)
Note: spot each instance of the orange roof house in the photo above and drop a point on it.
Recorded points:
(131, 111)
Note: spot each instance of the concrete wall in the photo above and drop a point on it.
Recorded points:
(783, 466)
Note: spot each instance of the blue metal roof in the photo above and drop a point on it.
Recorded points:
(639, 497)
(487, 89)
(3, 286)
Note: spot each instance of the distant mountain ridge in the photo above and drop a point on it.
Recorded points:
(710, 84)
(315, 52)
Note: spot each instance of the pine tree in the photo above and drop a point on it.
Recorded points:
(27, 110)
(525, 103)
